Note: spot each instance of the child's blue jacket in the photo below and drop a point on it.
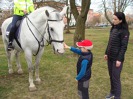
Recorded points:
(83, 65)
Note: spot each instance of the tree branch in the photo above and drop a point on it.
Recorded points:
(85, 7)
(74, 9)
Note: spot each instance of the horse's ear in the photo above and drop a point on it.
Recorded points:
(64, 10)
(47, 13)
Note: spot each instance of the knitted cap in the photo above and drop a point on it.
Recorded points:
(86, 44)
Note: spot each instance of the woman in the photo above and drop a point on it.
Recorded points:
(21, 7)
(115, 52)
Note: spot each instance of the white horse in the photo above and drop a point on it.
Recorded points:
(41, 27)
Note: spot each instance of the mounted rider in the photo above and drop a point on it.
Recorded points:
(21, 8)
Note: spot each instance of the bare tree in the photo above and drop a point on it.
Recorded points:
(68, 16)
(115, 6)
(80, 19)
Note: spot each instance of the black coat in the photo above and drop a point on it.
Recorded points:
(117, 44)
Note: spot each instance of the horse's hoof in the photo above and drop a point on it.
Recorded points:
(38, 82)
(20, 71)
(32, 89)
(10, 71)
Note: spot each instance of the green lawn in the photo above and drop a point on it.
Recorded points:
(58, 72)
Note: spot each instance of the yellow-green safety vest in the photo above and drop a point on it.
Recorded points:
(20, 5)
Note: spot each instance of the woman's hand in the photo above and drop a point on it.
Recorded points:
(118, 63)
(105, 57)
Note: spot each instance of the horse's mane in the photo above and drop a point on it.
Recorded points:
(40, 10)
(56, 15)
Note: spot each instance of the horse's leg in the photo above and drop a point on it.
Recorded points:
(17, 54)
(8, 55)
(28, 56)
(37, 63)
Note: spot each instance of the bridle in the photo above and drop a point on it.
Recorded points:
(41, 42)
(50, 38)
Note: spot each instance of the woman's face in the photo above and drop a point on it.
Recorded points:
(116, 20)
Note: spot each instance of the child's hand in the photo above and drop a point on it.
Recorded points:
(66, 46)
(76, 80)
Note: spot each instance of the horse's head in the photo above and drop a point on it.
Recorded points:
(55, 30)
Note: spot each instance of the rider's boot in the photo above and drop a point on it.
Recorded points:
(11, 37)
(10, 47)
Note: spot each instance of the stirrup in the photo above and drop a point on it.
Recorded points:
(10, 47)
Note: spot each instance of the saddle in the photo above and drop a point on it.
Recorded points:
(17, 34)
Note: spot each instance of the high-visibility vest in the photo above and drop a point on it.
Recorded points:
(20, 5)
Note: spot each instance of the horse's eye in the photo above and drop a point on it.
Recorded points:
(51, 29)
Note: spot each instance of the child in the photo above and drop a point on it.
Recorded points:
(83, 66)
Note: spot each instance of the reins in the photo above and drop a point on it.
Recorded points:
(39, 42)
(42, 40)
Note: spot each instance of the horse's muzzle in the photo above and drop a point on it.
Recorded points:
(60, 51)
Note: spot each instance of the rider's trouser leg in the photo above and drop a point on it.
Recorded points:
(15, 21)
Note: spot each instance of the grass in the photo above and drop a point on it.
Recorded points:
(58, 72)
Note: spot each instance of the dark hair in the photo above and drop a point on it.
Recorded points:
(121, 16)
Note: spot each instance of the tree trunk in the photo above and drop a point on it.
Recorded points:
(80, 18)
(80, 30)
(68, 21)
(67, 26)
